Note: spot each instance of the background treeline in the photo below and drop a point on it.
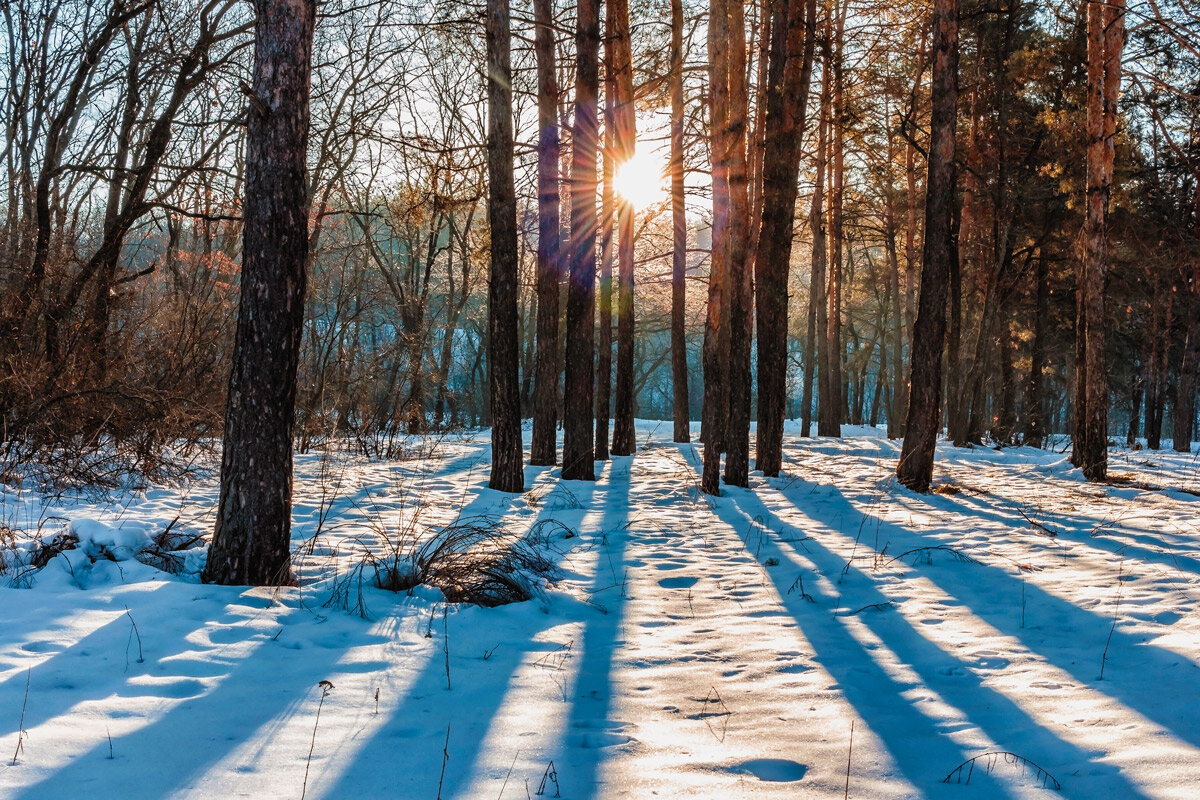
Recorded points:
(123, 173)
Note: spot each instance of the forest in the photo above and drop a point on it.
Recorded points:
(722, 374)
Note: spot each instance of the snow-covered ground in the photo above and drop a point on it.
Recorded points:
(821, 634)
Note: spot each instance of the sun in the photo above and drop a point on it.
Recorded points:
(640, 180)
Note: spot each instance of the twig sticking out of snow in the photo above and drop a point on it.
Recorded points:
(326, 687)
(21, 725)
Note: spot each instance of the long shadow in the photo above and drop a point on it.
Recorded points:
(1079, 529)
(922, 752)
(1056, 619)
(60, 669)
(589, 730)
(1004, 722)
(404, 750)
(248, 696)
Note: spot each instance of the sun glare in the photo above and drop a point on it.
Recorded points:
(640, 180)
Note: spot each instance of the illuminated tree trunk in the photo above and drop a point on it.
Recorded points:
(1106, 40)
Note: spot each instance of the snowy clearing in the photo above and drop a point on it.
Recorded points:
(1019, 630)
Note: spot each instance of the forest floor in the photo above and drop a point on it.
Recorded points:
(825, 634)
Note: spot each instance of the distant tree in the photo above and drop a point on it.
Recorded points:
(251, 543)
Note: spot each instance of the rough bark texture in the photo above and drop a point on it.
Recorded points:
(741, 283)
(715, 411)
(252, 540)
(833, 413)
(791, 56)
(1106, 39)
(581, 289)
(544, 445)
(504, 351)
(915, 467)
(818, 297)
(679, 368)
(608, 221)
(623, 439)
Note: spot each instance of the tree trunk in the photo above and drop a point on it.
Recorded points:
(1106, 39)
(789, 72)
(252, 540)
(578, 463)
(827, 424)
(1035, 403)
(833, 413)
(915, 467)
(715, 409)
(544, 444)
(681, 412)
(1185, 393)
(503, 340)
(608, 220)
(741, 283)
(623, 441)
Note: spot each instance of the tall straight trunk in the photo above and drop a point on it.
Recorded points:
(715, 410)
(1035, 403)
(741, 279)
(1106, 39)
(1006, 415)
(827, 422)
(1156, 401)
(544, 445)
(623, 441)
(1137, 390)
(1185, 393)
(791, 57)
(252, 540)
(578, 461)
(911, 262)
(608, 239)
(897, 397)
(832, 413)
(503, 340)
(915, 466)
(681, 412)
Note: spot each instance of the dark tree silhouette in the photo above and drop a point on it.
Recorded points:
(578, 461)
(251, 544)
(504, 351)
(544, 445)
(915, 468)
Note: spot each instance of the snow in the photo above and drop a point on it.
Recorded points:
(821, 630)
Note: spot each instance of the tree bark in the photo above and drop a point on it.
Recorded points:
(715, 409)
(1035, 403)
(1106, 39)
(741, 283)
(915, 467)
(624, 441)
(544, 445)
(578, 461)
(681, 412)
(503, 340)
(834, 412)
(790, 69)
(252, 540)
